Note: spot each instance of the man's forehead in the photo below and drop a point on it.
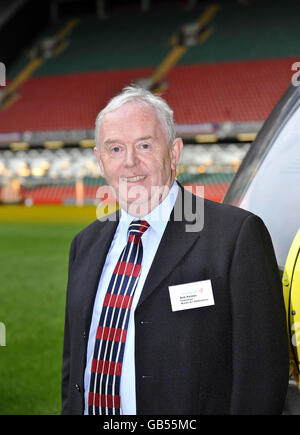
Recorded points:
(131, 119)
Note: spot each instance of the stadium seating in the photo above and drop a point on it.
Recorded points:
(224, 79)
(50, 176)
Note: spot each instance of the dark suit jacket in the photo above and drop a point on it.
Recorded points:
(228, 358)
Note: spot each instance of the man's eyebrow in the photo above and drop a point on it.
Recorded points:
(144, 138)
(113, 141)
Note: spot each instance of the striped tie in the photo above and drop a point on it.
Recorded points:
(104, 390)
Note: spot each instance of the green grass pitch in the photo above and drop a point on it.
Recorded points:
(33, 277)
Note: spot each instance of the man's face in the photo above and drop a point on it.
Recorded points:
(134, 157)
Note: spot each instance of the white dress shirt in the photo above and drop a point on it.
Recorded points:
(158, 219)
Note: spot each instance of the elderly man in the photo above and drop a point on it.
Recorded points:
(169, 311)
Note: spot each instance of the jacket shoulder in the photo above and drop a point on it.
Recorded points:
(225, 210)
(226, 219)
(213, 211)
(90, 232)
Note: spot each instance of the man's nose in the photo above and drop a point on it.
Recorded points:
(131, 157)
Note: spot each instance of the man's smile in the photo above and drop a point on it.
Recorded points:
(133, 179)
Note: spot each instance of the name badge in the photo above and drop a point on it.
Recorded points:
(192, 295)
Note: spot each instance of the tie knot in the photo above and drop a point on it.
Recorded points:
(137, 228)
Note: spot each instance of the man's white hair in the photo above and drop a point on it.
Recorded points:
(142, 96)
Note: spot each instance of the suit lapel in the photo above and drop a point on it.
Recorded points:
(96, 260)
(174, 245)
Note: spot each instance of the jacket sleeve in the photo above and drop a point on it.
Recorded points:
(260, 343)
(66, 347)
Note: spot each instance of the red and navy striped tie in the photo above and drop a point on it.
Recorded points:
(104, 390)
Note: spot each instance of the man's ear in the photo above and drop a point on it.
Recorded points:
(98, 158)
(175, 152)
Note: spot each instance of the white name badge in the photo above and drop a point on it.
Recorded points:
(192, 295)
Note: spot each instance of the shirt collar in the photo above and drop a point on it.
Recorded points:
(159, 216)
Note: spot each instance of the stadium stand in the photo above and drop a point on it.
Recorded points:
(221, 66)
(50, 176)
